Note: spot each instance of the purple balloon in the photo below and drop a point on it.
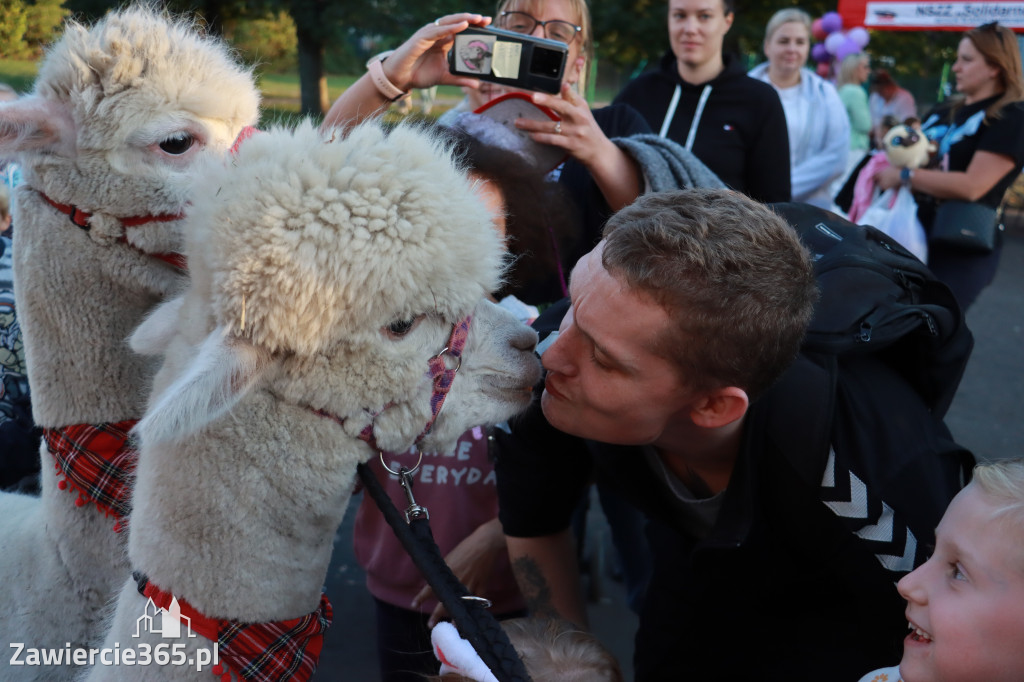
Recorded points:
(834, 42)
(847, 48)
(832, 22)
(859, 35)
(819, 53)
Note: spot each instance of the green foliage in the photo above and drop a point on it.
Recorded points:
(26, 26)
(44, 22)
(18, 73)
(629, 32)
(270, 42)
(13, 24)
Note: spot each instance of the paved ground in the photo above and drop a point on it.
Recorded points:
(987, 416)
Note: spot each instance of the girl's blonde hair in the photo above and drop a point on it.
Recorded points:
(848, 69)
(555, 650)
(1003, 482)
(582, 19)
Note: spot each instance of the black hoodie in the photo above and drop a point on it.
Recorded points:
(741, 134)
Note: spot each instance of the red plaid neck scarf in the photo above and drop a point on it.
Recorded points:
(97, 462)
(284, 651)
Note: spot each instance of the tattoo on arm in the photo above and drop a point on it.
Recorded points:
(534, 587)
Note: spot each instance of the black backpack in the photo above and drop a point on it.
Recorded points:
(877, 298)
(862, 414)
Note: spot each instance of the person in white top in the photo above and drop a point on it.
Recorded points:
(819, 130)
(888, 99)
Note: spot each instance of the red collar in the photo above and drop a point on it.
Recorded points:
(96, 461)
(81, 219)
(282, 651)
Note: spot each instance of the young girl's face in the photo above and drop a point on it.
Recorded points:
(966, 603)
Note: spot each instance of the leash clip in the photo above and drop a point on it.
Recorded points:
(414, 511)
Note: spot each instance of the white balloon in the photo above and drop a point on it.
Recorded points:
(859, 35)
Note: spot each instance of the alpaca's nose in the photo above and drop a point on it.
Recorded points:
(525, 340)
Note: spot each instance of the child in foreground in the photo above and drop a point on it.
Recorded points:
(965, 605)
(552, 650)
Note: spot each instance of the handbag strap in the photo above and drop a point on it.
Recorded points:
(471, 618)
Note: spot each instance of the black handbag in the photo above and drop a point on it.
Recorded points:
(967, 226)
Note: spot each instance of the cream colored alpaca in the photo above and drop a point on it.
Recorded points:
(119, 115)
(325, 276)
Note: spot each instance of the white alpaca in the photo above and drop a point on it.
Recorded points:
(326, 274)
(107, 142)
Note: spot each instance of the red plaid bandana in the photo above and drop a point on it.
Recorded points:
(284, 651)
(97, 462)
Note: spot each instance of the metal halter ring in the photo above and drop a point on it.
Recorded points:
(399, 473)
(558, 127)
(457, 357)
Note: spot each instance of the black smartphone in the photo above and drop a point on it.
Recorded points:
(508, 58)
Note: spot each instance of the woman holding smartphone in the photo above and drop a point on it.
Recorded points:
(598, 174)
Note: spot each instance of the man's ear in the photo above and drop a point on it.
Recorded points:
(720, 407)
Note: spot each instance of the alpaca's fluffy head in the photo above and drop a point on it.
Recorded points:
(320, 240)
(121, 111)
(329, 270)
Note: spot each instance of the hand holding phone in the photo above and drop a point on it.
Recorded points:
(508, 58)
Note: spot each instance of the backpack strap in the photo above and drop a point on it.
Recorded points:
(799, 414)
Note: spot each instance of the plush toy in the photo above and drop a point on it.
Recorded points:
(894, 211)
(906, 146)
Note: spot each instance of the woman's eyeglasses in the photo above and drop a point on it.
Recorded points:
(554, 29)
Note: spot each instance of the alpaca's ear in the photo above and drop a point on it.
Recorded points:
(221, 373)
(156, 331)
(35, 124)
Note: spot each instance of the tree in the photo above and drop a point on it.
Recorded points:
(27, 25)
(13, 23)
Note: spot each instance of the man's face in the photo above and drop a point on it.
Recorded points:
(604, 381)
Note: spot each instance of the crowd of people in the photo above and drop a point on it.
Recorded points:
(672, 304)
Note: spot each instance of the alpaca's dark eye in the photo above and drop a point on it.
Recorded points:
(401, 327)
(178, 143)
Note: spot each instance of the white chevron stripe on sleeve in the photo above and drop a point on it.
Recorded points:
(857, 506)
(901, 563)
(881, 531)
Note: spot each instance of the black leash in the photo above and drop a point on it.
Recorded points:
(469, 613)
